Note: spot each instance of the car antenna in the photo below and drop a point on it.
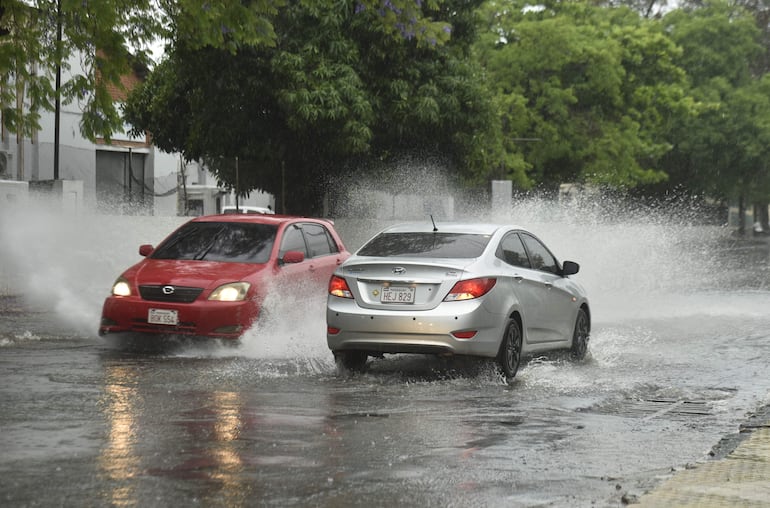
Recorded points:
(434, 223)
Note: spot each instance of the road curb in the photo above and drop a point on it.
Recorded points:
(742, 478)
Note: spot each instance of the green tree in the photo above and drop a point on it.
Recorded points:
(587, 92)
(108, 36)
(760, 10)
(750, 114)
(338, 86)
(718, 150)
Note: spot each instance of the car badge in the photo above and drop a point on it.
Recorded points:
(399, 270)
(168, 290)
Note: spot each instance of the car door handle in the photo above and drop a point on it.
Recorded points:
(518, 278)
(548, 285)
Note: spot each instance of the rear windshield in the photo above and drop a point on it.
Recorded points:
(219, 241)
(428, 245)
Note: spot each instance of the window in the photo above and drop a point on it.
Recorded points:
(539, 255)
(426, 245)
(311, 239)
(292, 240)
(512, 251)
(319, 241)
(219, 241)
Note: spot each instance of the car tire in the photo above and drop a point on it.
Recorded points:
(580, 336)
(350, 361)
(509, 355)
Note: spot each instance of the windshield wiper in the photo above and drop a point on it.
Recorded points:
(162, 251)
(212, 242)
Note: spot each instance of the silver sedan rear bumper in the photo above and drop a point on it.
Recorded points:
(403, 331)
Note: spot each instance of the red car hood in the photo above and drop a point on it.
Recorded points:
(202, 274)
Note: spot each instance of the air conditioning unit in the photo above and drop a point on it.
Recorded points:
(5, 164)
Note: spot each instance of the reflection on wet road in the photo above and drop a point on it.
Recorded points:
(98, 425)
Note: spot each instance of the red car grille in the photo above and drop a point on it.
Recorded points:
(176, 294)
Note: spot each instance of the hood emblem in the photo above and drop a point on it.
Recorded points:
(399, 270)
(168, 290)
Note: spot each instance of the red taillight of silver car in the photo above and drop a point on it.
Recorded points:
(339, 287)
(470, 289)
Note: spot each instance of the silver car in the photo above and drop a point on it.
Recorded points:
(483, 290)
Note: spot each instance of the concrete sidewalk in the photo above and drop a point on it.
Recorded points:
(741, 479)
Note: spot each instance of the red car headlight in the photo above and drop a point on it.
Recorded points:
(121, 287)
(232, 292)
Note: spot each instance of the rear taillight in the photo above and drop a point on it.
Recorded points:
(469, 289)
(339, 287)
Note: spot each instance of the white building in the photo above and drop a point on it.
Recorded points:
(125, 176)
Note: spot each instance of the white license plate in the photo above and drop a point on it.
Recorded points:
(163, 317)
(397, 294)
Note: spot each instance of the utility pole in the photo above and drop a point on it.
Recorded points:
(237, 185)
(283, 186)
(57, 112)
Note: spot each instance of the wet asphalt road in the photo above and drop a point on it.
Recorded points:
(677, 362)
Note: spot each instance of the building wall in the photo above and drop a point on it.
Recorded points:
(102, 167)
(32, 159)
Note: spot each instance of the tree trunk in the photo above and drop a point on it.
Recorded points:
(761, 216)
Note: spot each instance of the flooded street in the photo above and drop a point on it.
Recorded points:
(678, 359)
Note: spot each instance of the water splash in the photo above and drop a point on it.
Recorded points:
(292, 325)
(66, 262)
(635, 261)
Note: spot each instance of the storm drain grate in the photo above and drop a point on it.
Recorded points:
(648, 409)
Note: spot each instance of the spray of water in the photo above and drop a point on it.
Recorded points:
(65, 262)
(635, 262)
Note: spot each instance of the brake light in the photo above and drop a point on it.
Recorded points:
(339, 287)
(466, 334)
(470, 289)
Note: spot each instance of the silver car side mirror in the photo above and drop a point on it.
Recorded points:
(570, 268)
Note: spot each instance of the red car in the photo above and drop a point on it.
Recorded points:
(210, 276)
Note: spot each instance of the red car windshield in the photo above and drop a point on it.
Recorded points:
(230, 242)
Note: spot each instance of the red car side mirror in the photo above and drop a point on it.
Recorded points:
(293, 256)
(145, 250)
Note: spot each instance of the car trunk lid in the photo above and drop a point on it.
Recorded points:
(406, 284)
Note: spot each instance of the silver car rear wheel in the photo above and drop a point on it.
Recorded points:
(350, 361)
(580, 336)
(509, 356)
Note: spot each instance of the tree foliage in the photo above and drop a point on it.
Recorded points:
(625, 93)
(718, 150)
(111, 36)
(108, 36)
(336, 85)
(587, 91)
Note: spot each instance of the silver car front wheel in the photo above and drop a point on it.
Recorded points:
(580, 336)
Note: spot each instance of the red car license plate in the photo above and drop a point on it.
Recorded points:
(163, 317)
